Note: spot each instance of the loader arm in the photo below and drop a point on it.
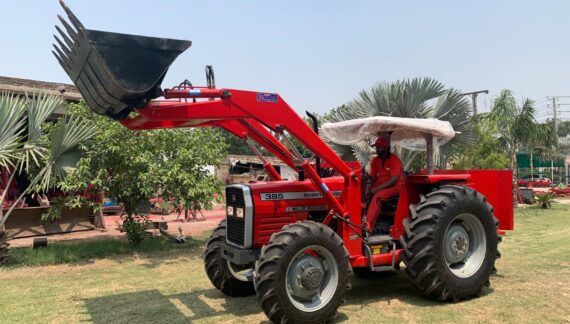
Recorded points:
(251, 115)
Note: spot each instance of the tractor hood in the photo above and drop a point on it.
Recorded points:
(409, 133)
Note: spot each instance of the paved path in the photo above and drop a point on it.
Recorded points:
(194, 228)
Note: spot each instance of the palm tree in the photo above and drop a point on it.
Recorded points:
(26, 146)
(517, 127)
(544, 144)
(518, 130)
(410, 98)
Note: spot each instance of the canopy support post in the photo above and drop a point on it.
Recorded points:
(429, 153)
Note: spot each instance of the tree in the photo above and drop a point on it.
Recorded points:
(240, 147)
(517, 129)
(563, 127)
(45, 152)
(236, 145)
(487, 154)
(410, 98)
(182, 172)
(138, 165)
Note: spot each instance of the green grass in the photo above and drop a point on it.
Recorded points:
(169, 286)
(89, 250)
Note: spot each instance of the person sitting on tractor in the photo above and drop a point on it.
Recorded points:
(387, 179)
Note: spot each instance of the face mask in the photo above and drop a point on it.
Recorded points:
(383, 153)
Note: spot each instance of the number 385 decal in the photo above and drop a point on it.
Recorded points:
(272, 196)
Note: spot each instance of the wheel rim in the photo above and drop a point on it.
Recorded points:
(465, 245)
(242, 273)
(312, 278)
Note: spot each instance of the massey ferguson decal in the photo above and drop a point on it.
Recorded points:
(294, 195)
(306, 209)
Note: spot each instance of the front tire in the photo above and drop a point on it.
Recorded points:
(303, 274)
(220, 271)
(450, 243)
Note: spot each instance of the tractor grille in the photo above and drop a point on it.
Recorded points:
(236, 227)
(235, 231)
(234, 197)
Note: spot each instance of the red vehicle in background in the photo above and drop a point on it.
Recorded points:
(538, 180)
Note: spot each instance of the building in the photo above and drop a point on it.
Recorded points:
(246, 168)
(27, 221)
(24, 87)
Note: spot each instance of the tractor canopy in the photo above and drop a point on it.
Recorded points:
(409, 133)
(115, 73)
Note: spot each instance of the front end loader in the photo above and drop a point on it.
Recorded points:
(296, 243)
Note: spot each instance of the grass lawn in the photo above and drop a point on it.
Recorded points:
(167, 284)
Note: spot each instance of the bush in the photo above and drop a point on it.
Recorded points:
(134, 227)
(545, 200)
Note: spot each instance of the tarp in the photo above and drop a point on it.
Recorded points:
(523, 161)
(406, 132)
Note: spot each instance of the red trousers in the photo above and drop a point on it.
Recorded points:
(375, 205)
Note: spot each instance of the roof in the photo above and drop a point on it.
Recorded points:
(26, 87)
(406, 132)
(234, 158)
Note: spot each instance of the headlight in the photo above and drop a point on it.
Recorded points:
(230, 210)
(239, 212)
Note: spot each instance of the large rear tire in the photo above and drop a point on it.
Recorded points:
(220, 271)
(450, 243)
(303, 274)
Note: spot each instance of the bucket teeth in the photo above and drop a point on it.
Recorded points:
(66, 39)
(74, 34)
(71, 40)
(59, 60)
(62, 46)
(62, 58)
(78, 25)
(115, 73)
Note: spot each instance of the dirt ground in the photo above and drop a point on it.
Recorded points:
(193, 228)
(565, 200)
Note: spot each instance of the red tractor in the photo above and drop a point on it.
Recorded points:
(295, 243)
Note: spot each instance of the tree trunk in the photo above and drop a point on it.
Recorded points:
(531, 168)
(99, 217)
(514, 167)
(4, 247)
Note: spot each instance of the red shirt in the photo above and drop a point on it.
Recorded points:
(382, 173)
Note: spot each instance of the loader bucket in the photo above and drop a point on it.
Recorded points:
(115, 73)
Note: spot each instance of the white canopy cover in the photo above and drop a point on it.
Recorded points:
(407, 132)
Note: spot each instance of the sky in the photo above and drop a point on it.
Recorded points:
(320, 54)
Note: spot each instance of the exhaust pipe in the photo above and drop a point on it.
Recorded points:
(115, 73)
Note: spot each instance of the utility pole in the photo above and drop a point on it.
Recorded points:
(474, 98)
(555, 109)
(555, 115)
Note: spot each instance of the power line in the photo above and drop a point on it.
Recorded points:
(555, 117)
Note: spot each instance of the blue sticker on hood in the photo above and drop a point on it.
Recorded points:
(266, 97)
